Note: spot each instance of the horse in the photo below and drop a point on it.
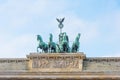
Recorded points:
(76, 43)
(65, 43)
(42, 45)
(51, 44)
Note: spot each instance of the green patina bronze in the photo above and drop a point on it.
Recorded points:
(42, 45)
(65, 43)
(60, 23)
(51, 44)
(76, 44)
(62, 46)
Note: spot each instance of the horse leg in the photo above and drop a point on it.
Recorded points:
(49, 47)
(54, 50)
(46, 50)
(42, 50)
(76, 49)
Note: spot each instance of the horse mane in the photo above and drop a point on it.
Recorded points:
(39, 38)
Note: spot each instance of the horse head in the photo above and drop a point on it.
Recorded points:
(65, 38)
(65, 43)
(51, 37)
(39, 38)
(42, 45)
(78, 37)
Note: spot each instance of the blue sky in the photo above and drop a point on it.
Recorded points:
(98, 21)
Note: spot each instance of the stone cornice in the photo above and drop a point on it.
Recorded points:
(80, 55)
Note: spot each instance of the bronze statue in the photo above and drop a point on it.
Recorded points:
(62, 46)
(51, 44)
(76, 43)
(42, 45)
(65, 43)
(60, 23)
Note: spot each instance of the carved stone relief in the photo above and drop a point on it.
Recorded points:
(56, 63)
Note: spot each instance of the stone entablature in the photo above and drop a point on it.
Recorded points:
(102, 64)
(13, 64)
(60, 66)
(60, 62)
(9, 60)
(52, 62)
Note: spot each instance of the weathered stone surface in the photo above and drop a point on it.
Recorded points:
(60, 66)
(59, 76)
(13, 64)
(102, 64)
(57, 62)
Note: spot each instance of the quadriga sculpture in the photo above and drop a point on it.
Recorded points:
(62, 46)
(42, 45)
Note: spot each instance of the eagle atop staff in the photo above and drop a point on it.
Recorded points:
(60, 20)
(60, 23)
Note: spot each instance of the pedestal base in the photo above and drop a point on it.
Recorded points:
(56, 62)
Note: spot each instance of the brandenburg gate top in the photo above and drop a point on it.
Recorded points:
(59, 61)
